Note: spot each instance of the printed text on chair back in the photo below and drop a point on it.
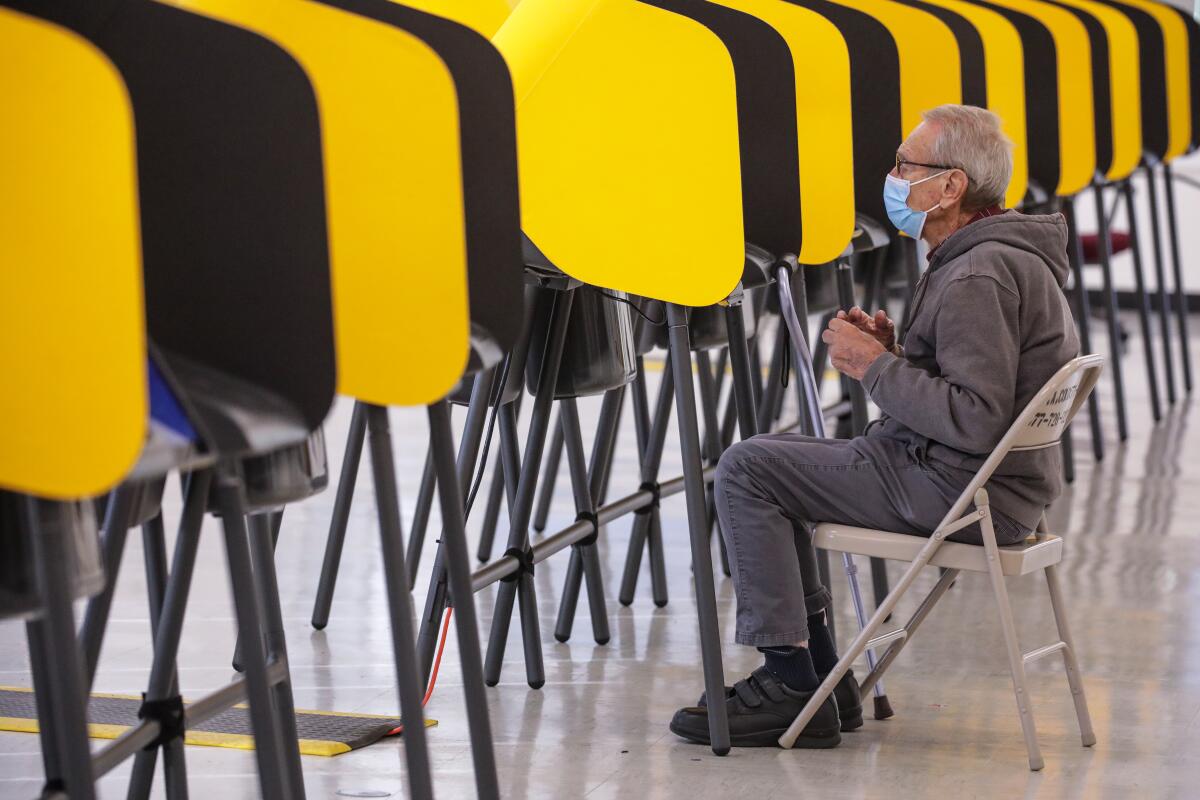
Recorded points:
(72, 340)
(389, 121)
(1002, 88)
(1058, 93)
(823, 124)
(234, 243)
(628, 146)
(1052, 410)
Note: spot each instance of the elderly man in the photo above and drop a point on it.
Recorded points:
(989, 325)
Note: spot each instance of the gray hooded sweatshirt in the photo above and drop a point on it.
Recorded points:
(989, 326)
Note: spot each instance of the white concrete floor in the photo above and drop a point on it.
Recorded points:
(599, 726)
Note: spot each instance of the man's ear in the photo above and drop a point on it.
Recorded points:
(956, 187)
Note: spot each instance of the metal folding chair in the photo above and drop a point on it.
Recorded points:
(1040, 425)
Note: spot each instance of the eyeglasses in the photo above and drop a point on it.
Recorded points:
(901, 162)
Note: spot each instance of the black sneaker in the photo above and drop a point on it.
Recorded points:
(760, 709)
(849, 701)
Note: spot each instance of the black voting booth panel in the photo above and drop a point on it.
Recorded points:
(1041, 96)
(235, 250)
(490, 195)
(875, 99)
(237, 292)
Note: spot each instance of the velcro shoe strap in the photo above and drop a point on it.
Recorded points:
(769, 684)
(747, 695)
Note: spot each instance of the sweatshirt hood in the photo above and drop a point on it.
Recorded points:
(1043, 235)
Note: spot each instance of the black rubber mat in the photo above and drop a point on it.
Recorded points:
(321, 733)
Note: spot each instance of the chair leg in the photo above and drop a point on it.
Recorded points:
(1070, 663)
(1016, 661)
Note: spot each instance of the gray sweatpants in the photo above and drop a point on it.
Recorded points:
(770, 489)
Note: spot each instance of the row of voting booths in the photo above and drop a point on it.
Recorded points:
(221, 214)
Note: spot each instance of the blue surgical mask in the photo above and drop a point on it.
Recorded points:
(895, 202)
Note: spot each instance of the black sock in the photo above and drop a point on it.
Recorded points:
(820, 645)
(793, 666)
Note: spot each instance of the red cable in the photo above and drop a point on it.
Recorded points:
(437, 663)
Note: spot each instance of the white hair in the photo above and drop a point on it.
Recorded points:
(972, 139)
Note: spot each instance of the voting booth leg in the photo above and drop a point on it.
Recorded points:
(1160, 276)
(549, 476)
(710, 448)
(1143, 298)
(642, 533)
(1181, 310)
(341, 516)
(154, 549)
(61, 664)
(163, 683)
(500, 489)
(744, 379)
(1104, 249)
(39, 666)
(408, 675)
(420, 523)
(457, 563)
(773, 386)
(270, 523)
(702, 571)
(278, 758)
(1075, 257)
(521, 510)
(584, 562)
(95, 618)
(437, 596)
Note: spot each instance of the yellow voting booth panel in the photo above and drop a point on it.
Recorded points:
(389, 118)
(823, 117)
(72, 330)
(1175, 58)
(929, 60)
(628, 146)
(1004, 66)
(1076, 120)
(485, 16)
(1125, 86)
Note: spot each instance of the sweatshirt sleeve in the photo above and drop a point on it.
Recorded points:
(969, 406)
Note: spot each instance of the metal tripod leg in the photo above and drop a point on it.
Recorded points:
(40, 661)
(95, 618)
(702, 572)
(163, 683)
(1181, 310)
(154, 549)
(457, 558)
(500, 488)
(1143, 298)
(278, 760)
(644, 519)
(437, 596)
(408, 675)
(710, 447)
(341, 516)
(416, 538)
(1075, 256)
(518, 539)
(1160, 275)
(584, 563)
(1104, 248)
(549, 476)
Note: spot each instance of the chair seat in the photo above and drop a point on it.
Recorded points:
(1119, 240)
(1036, 552)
